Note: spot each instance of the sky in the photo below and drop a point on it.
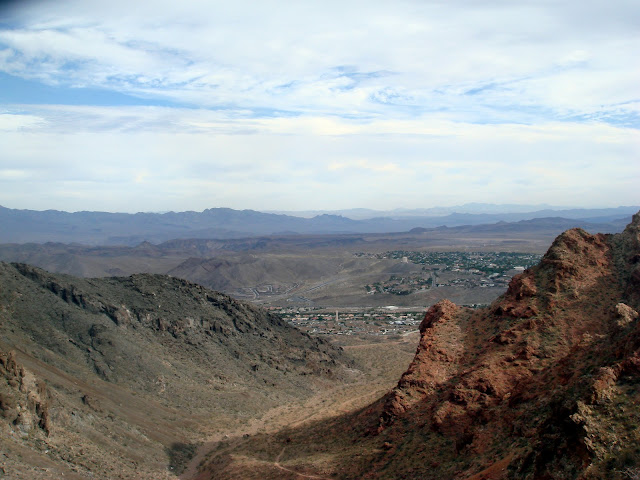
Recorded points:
(301, 105)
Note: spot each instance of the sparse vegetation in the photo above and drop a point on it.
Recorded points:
(542, 383)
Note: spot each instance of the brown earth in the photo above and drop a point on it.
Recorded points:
(543, 384)
(125, 377)
(149, 376)
(321, 270)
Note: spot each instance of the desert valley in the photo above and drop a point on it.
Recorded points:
(492, 351)
(269, 240)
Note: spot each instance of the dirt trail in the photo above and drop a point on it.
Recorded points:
(384, 369)
(326, 404)
(276, 463)
(205, 449)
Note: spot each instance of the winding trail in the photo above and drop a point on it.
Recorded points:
(276, 464)
(273, 421)
(336, 399)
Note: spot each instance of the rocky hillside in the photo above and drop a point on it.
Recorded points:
(119, 374)
(543, 384)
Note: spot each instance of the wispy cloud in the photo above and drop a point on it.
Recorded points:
(456, 101)
(335, 60)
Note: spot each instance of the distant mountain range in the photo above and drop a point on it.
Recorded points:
(226, 264)
(472, 208)
(124, 377)
(102, 228)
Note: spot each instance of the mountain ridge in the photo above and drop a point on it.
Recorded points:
(542, 384)
(115, 377)
(102, 228)
(574, 313)
(542, 339)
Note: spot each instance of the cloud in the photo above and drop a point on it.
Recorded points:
(17, 121)
(254, 105)
(242, 162)
(327, 58)
(363, 165)
(14, 174)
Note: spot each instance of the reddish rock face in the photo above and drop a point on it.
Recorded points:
(540, 382)
(435, 362)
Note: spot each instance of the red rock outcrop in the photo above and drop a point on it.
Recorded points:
(435, 361)
(545, 382)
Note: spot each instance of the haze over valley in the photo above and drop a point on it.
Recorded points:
(237, 389)
(322, 240)
(323, 269)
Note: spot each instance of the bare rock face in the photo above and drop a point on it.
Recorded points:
(626, 314)
(544, 383)
(435, 362)
(118, 327)
(24, 400)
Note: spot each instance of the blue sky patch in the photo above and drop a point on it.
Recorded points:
(16, 90)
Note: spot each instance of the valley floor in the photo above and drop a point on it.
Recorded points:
(380, 364)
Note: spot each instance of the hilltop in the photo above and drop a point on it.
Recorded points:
(542, 384)
(121, 377)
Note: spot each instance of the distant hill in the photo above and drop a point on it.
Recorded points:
(554, 225)
(227, 264)
(468, 208)
(100, 228)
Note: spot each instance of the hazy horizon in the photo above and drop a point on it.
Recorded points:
(160, 106)
(436, 210)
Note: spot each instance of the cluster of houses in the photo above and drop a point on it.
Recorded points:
(382, 321)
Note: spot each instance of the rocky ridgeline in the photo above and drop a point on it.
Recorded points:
(544, 383)
(114, 373)
(102, 317)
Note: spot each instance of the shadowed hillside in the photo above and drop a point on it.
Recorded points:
(120, 376)
(543, 384)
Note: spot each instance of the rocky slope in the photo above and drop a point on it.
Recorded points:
(116, 377)
(543, 384)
